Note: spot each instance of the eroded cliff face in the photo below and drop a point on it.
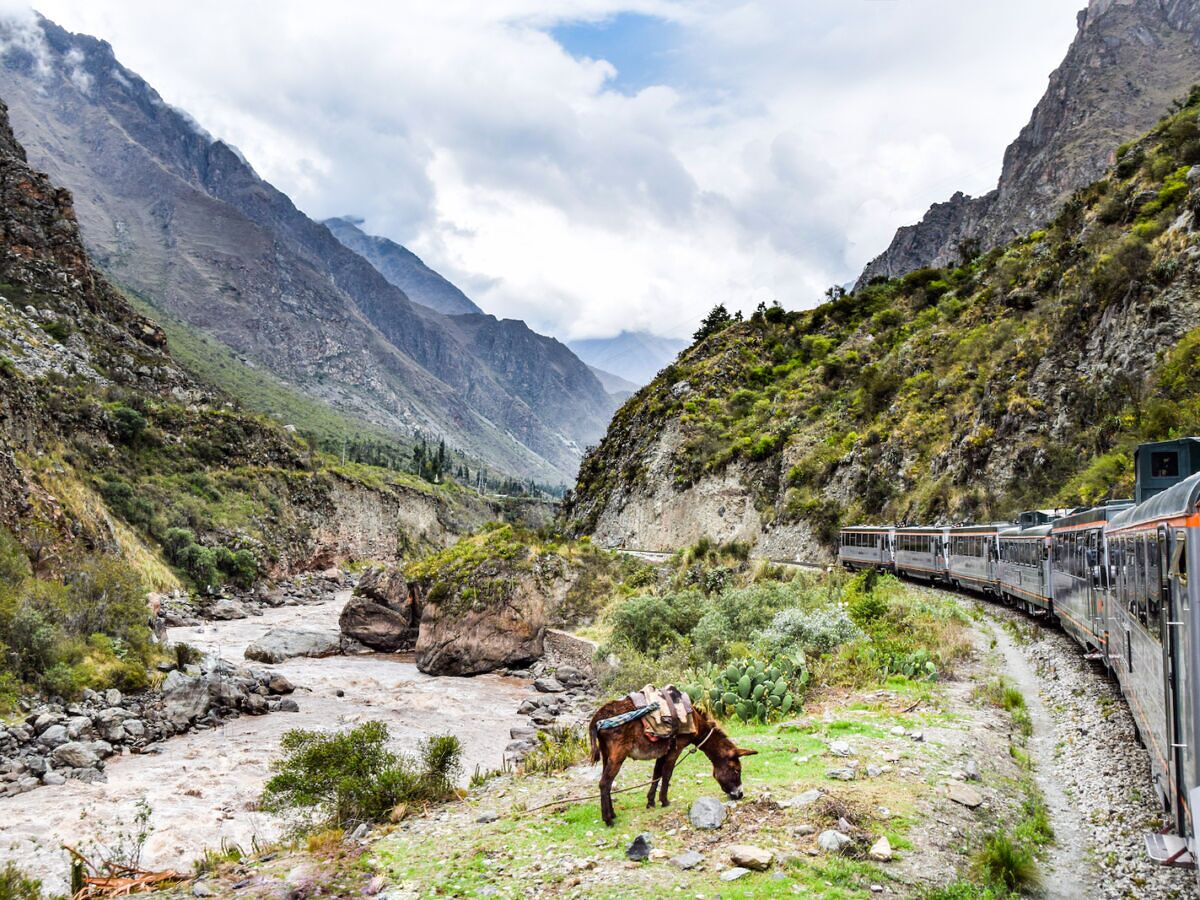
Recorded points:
(1130, 59)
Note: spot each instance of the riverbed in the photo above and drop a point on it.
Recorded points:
(202, 787)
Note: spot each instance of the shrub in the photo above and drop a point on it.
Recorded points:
(129, 424)
(1006, 864)
(556, 749)
(650, 622)
(812, 631)
(343, 779)
(16, 885)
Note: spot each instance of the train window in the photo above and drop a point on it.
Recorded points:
(1178, 567)
(1157, 585)
(1164, 465)
(1139, 551)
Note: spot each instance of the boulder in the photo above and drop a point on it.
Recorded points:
(689, 859)
(226, 609)
(74, 755)
(279, 644)
(750, 857)
(461, 639)
(734, 874)
(375, 625)
(707, 813)
(386, 587)
(185, 698)
(549, 685)
(639, 850)
(54, 736)
(881, 850)
(279, 685)
(964, 795)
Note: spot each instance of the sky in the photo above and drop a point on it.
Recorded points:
(592, 166)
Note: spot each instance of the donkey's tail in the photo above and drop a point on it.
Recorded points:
(594, 741)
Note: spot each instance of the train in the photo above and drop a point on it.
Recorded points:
(1115, 577)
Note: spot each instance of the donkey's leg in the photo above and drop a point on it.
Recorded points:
(612, 765)
(658, 768)
(668, 762)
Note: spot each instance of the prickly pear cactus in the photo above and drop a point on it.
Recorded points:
(753, 690)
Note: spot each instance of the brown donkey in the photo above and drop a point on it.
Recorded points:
(615, 745)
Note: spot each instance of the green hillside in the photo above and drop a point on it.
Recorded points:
(1022, 377)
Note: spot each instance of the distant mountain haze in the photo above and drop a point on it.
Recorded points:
(636, 356)
(183, 221)
(403, 268)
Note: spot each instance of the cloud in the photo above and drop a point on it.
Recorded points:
(741, 150)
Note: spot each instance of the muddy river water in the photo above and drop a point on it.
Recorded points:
(202, 787)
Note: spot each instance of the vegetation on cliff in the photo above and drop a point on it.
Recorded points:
(1019, 378)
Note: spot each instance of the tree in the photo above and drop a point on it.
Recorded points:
(718, 319)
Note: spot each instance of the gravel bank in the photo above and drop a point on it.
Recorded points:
(1097, 765)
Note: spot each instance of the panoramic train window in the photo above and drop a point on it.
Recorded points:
(1164, 465)
(1140, 592)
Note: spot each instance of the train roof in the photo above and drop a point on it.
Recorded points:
(924, 529)
(1032, 532)
(1087, 515)
(988, 527)
(868, 528)
(1181, 499)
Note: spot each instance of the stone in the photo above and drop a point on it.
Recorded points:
(917, 736)
(806, 799)
(185, 699)
(543, 717)
(839, 748)
(689, 859)
(36, 765)
(79, 727)
(548, 685)
(487, 818)
(964, 795)
(278, 684)
(360, 832)
(225, 610)
(639, 850)
(135, 729)
(898, 731)
(874, 771)
(54, 736)
(74, 755)
(289, 705)
(833, 841)
(750, 857)
(972, 770)
(570, 676)
(734, 874)
(841, 774)
(803, 830)
(53, 778)
(256, 704)
(881, 850)
(527, 707)
(518, 732)
(279, 644)
(386, 586)
(375, 625)
(707, 813)
(112, 697)
(200, 889)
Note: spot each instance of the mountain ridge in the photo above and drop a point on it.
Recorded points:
(1128, 61)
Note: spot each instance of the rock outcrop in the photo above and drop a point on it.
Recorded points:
(381, 614)
(1128, 62)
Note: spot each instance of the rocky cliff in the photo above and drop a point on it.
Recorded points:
(1129, 60)
(183, 221)
(1023, 379)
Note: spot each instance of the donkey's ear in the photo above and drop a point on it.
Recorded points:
(741, 751)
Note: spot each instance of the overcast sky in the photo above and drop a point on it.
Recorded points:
(593, 165)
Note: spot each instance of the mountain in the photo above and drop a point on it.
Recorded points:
(403, 268)
(615, 384)
(1021, 380)
(1128, 61)
(182, 221)
(110, 448)
(636, 356)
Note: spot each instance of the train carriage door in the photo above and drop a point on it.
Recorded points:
(1092, 579)
(1172, 589)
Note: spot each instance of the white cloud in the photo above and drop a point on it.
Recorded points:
(790, 139)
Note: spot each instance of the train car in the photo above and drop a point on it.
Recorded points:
(865, 547)
(1024, 568)
(1081, 579)
(1153, 623)
(971, 558)
(920, 552)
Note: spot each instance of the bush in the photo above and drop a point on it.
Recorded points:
(129, 424)
(16, 885)
(1003, 863)
(556, 749)
(343, 779)
(649, 622)
(812, 631)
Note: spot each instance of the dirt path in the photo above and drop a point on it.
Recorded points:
(1068, 869)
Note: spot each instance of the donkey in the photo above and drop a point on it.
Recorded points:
(615, 745)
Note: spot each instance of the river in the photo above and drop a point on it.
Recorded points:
(202, 787)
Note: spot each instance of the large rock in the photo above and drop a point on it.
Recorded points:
(379, 627)
(185, 699)
(74, 755)
(279, 644)
(386, 587)
(750, 857)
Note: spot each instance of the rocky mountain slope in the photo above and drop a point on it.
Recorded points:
(1021, 379)
(403, 268)
(108, 447)
(184, 222)
(1129, 60)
